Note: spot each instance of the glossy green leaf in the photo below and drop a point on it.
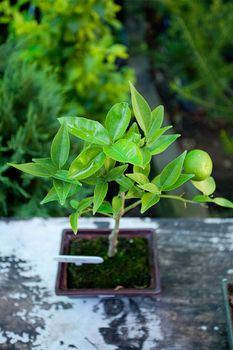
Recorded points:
(182, 180)
(125, 151)
(223, 202)
(162, 143)
(116, 205)
(141, 179)
(109, 164)
(87, 163)
(116, 172)
(157, 133)
(146, 156)
(117, 120)
(207, 186)
(100, 192)
(63, 175)
(62, 190)
(150, 187)
(105, 207)
(141, 110)
(60, 147)
(50, 196)
(35, 169)
(148, 200)
(218, 200)
(133, 134)
(145, 171)
(171, 173)
(157, 116)
(46, 162)
(134, 192)
(87, 129)
(74, 221)
(82, 205)
(125, 183)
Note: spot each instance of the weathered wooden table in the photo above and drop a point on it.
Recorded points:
(194, 256)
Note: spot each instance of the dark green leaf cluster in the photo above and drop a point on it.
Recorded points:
(30, 100)
(109, 151)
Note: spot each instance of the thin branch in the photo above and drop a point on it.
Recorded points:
(131, 206)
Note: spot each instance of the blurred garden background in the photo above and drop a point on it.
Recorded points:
(75, 57)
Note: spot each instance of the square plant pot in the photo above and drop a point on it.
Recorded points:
(227, 289)
(129, 239)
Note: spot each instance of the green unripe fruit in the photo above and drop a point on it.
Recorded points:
(198, 163)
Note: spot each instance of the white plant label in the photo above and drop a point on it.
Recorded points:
(79, 259)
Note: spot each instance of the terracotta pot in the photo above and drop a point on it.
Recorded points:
(68, 237)
(227, 288)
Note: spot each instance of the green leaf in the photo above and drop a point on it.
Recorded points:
(182, 180)
(207, 186)
(141, 110)
(162, 143)
(223, 202)
(145, 171)
(35, 169)
(150, 187)
(171, 173)
(141, 179)
(124, 151)
(202, 199)
(116, 172)
(50, 196)
(87, 163)
(63, 175)
(62, 190)
(157, 116)
(148, 200)
(100, 192)
(157, 133)
(60, 148)
(134, 192)
(125, 183)
(117, 120)
(86, 129)
(74, 221)
(146, 156)
(82, 205)
(133, 134)
(218, 200)
(105, 207)
(116, 205)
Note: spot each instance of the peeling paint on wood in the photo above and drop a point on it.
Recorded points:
(194, 256)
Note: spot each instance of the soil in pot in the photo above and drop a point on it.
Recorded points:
(129, 268)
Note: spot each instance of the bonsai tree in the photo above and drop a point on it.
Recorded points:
(120, 151)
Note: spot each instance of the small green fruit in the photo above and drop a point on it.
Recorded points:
(198, 163)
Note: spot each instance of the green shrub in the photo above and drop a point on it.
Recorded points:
(30, 101)
(195, 53)
(78, 40)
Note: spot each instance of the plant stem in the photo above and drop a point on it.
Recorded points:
(113, 237)
(132, 206)
(178, 198)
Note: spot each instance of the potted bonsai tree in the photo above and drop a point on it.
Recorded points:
(120, 152)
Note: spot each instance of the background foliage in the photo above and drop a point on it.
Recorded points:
(196, 53)
(79, 40)
(30, 101)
